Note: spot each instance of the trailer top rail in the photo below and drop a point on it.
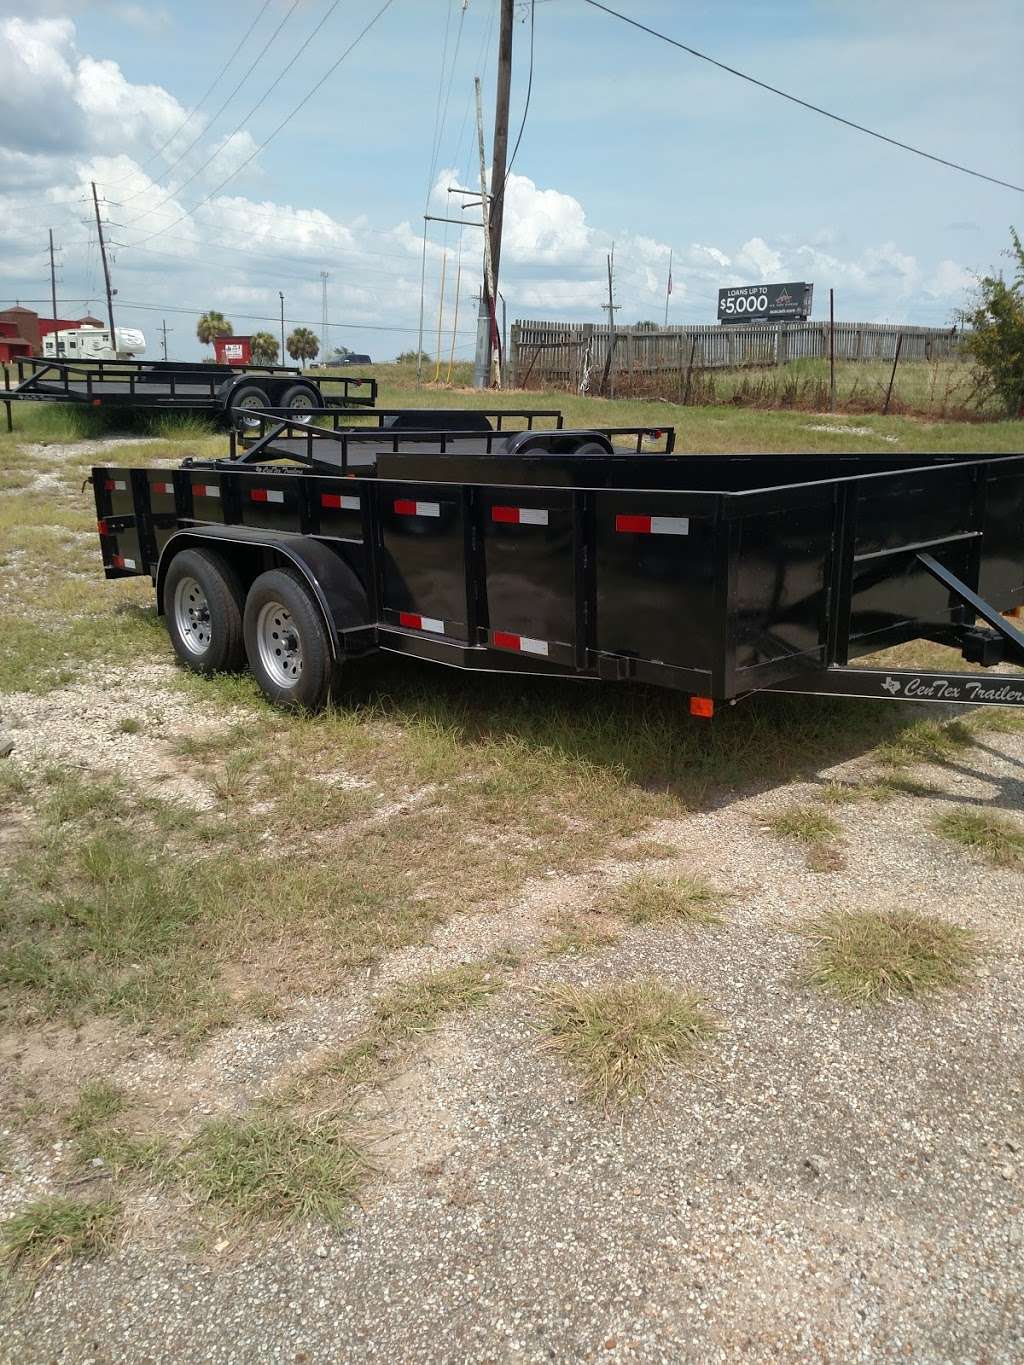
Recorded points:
(287, 437)
(180, 385)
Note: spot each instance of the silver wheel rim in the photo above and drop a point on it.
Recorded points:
(279, 645)
(251, 403)
(192, 616)
(300, 404)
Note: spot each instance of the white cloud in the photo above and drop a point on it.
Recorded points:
(70, 118)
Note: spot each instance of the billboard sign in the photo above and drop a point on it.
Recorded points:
(765, 303)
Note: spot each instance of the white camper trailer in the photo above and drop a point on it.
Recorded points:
(93, 343)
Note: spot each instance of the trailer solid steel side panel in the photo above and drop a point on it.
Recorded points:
(595, 566)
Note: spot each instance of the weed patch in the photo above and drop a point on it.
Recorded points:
(276, 1168)
(620, 1038)
(926, 742)
(999, 840)
(865, 957)
(58, 1229)
(659, 900)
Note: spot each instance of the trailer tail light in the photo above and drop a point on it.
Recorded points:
(702, 706)
(115, 486)
(653, 526)
(417, 622)
(520, 516)
(205, 490)
(121, 562)
(340, 500)
(102, 528)
(167, 488)
(406, 507)
(522, 644)
(266, 495)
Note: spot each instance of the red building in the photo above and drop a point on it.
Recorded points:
(22, 331)
(232, 350)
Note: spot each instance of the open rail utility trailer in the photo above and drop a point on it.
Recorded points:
(553, 553)
(230, 392)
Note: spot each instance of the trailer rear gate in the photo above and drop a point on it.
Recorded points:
(759, 570)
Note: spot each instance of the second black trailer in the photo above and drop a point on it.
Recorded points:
(717, 575)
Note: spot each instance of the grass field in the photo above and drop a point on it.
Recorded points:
(232, 939)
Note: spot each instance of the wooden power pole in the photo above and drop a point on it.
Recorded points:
(106, 267)
(494, 203)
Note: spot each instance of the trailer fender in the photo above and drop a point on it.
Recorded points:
(332, 582)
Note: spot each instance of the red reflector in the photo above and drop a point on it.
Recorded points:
(657, 435)
(101, 526)
(503, 640)
(630, 523)
(509, 514)
(410, 619)
(405, 507)
(96, 402)
(118, 561)
(702, 706)
(258, 494)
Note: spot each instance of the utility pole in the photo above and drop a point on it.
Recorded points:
(106, 267)
(280, 295)
(489, 351)
(164, 331)
(500, 153)
(323, 318)
(53, 292)
(612, 307)
(668, 285)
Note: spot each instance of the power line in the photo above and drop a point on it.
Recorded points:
(284, 122)
(804, 104)
(203, 98)
(266, 317)
(199, 136)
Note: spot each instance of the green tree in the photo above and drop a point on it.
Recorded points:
(264, 348)
(995, 336)
(303, 344)
(213, 324)
(411, 358)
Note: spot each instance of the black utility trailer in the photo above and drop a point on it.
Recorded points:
(228, 391)
(718, 575)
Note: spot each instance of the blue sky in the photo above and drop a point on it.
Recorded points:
(627, 140)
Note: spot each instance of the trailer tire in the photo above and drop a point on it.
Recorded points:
(246, 396)
(301, 397)
(203, 603)
(286, 641)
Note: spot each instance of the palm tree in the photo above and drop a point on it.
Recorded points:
(264, 348)
(303, 344)
(213, 324)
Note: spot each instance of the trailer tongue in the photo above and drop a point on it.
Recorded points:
(556, 552)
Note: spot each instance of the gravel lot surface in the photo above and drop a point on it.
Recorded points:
(822, 1184)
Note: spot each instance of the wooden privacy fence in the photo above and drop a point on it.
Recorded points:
(575, 354)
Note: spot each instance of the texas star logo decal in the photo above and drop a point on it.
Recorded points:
(892, 686)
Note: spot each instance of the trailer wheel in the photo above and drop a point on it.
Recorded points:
(286, 641)
(301, 398)
(203, 603)
(247, 398)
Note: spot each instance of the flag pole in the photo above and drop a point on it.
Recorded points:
(668, 286)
